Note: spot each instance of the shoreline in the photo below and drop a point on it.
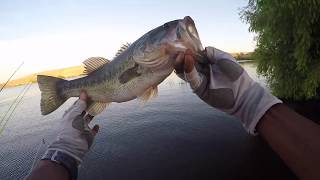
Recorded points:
(63, 73)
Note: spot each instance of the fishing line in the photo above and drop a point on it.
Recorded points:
(11, 76)
(12, 104)
(35, 158)
(34, 161)
(17, 102)
(13, 107)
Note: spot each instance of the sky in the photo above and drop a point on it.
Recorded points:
(50, 34)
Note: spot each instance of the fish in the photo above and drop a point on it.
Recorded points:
(135, 71)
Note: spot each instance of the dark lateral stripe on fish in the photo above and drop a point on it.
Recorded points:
(129, 74)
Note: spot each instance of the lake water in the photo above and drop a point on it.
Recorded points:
(174, 136)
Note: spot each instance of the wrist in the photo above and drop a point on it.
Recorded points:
(63, 159)
(71, 142)
(76, 148)
(252, 105)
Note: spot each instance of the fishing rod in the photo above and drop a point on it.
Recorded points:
(11, 76)
(13, 107)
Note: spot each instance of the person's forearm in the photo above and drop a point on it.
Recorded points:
(48, 170)
(294, 138)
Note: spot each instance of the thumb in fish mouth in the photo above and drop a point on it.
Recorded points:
(188, 61)
(184, 62)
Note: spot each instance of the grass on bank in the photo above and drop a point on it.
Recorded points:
(61, 73)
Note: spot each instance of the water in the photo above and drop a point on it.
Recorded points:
(175, 136)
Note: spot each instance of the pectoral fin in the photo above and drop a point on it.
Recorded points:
(149, 93)
(96, 108)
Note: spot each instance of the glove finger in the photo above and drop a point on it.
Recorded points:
(81, 104)
(90, 134)
(88, 118)
(210, 54)
(231, 69)
(194, 78)
(83, 95)
(225, 63)
(95, 129)
(75, 110)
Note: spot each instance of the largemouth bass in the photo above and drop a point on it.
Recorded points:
(134, 73)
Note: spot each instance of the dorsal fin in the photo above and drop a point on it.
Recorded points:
(149, 93)
(122, 48)
(93, 63)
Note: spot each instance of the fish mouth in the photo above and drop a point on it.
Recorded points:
(187, 36)
(193, 33)
(159, 46)
(190, 26)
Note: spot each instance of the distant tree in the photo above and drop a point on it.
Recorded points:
(288, 45)
(243, 56)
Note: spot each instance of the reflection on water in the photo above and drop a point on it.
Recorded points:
(176, 116)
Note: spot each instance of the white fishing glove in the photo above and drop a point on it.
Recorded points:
(224, 84)
(75, 137)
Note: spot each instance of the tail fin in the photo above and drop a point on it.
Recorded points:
(50, 99)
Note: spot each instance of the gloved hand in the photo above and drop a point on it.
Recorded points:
(224, 84)
(75, 137)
